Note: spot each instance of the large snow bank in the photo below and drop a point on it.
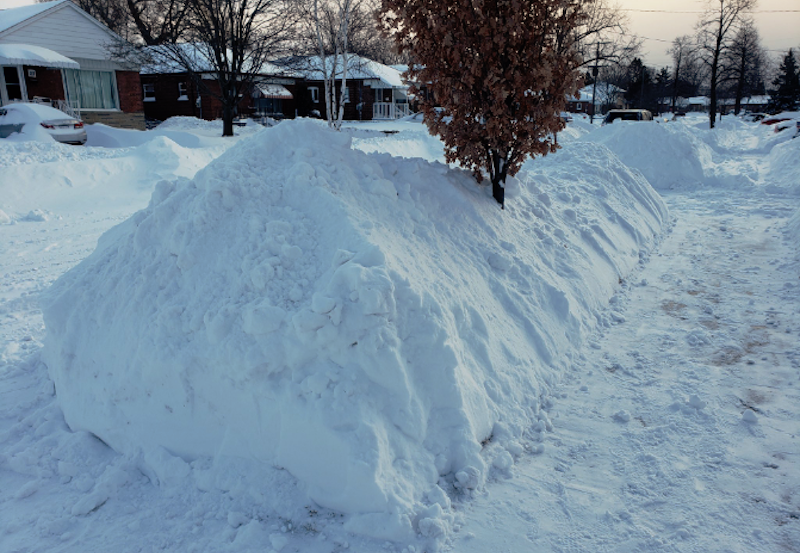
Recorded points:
(668, 154)
(784, 164)
(364, 322)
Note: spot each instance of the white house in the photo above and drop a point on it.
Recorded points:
(57, 53)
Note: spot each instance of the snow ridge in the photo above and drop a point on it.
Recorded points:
(365, 322)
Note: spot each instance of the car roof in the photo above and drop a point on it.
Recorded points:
(38, 110)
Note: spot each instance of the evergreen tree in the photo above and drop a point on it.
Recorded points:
(786, 94)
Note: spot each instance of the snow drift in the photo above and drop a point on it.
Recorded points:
(667, 154)
(362, 321)
(784, 164)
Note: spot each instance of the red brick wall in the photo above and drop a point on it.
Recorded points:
(47, 83)
(130, 92)
(166, 103)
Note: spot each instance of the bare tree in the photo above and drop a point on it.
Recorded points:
(498, 74)
(715, 29)
(332, 23)
(683, 57)
(149, 22)
(745, 60)
(231, 40)
(603, 36)
(363, 36)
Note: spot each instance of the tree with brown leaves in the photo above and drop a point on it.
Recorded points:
(497, 74)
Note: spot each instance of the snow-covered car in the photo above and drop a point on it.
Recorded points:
(59, 125)
(627, 115)
(754, 117)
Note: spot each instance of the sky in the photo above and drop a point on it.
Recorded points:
(778, 29)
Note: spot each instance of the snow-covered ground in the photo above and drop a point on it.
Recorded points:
(303, 341)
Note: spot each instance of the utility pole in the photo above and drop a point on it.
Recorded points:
(641, 95)
(595, 72)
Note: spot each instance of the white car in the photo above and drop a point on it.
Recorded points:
(58, 124)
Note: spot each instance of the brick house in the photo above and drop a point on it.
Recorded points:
(294, 89)
(374, 91)
(57, 53)
(169, 90)
(608, 97)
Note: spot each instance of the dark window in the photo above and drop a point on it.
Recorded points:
(13, 85)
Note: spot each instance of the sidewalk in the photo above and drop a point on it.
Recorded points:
(678, 430)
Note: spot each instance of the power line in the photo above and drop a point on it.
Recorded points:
(701, 12)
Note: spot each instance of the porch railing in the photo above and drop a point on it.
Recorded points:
(388, 110)
(67, 108)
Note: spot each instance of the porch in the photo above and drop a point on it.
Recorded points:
(390, 110)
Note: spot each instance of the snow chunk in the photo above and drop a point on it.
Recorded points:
(749, 416)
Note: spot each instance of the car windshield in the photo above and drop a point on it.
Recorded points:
(624, 116)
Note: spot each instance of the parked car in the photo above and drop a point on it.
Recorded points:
(58, 124)
(627, 115)
(753, 117)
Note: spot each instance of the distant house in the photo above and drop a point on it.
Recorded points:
(374, 91)
(56, 53)
(608, 97)
(695, 103)
(749, 103)
(295, 88)
(168, 89)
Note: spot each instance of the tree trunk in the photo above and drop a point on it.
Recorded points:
(227, 119)
(498, 176)
(740, 85)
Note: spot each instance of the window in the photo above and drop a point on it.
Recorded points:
(578, 106)
(91, 89)
(183, 91)
(13, 83)
(314, 94)
(149, 92)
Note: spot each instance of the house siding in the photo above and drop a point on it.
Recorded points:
(65, 31)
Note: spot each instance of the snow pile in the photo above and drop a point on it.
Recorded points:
(185, 123)
(365, 322)
(31, 132)
(77, 178)
(667, 154)
(784, 164)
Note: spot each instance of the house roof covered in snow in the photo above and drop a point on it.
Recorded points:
(167, 59)
(12, 17)
(357, 68)
(605, 92)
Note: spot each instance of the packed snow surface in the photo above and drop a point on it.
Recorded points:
(297, 340)
(362, 321)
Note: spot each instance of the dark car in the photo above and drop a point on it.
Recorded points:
(627, 115)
